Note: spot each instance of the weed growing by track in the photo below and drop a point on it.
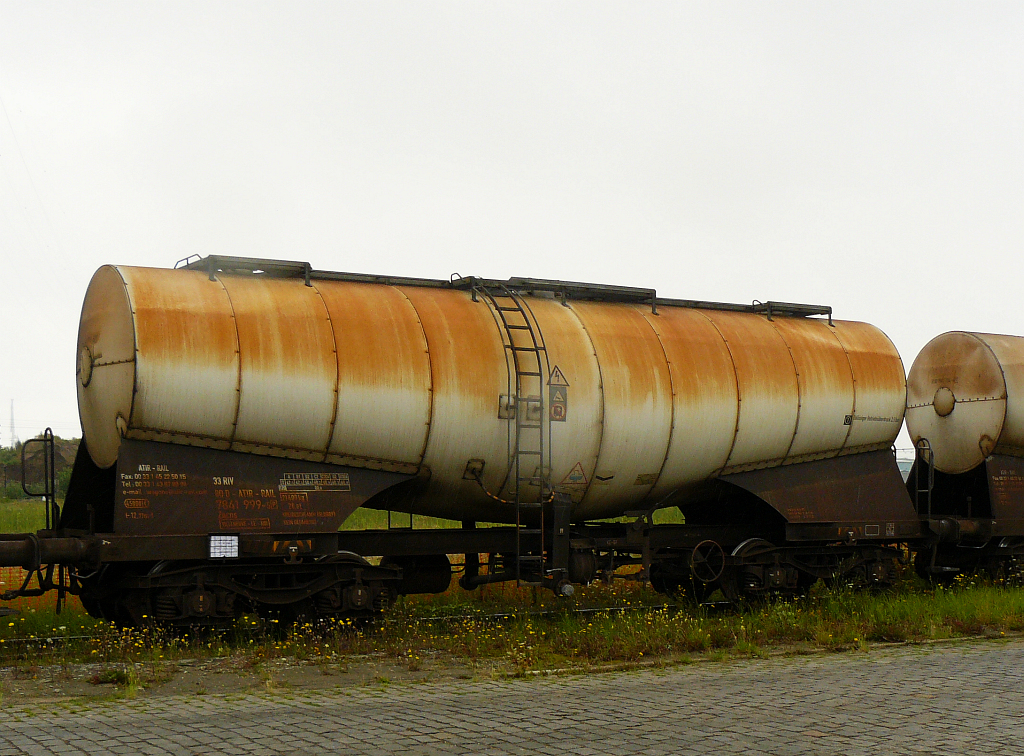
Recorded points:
(517, 630)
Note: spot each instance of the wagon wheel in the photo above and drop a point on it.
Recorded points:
(707, 561)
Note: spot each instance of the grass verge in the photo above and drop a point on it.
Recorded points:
(536, 631)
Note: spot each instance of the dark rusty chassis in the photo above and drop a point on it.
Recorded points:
(133, 578)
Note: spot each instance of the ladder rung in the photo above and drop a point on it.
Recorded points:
(529, 426)
(530, 558)
(532, 453)
(518, 327)
(530, 505)
(509, 309)
(529, 531)
(515, 348)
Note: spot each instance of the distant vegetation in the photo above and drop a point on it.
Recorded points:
(10, 468)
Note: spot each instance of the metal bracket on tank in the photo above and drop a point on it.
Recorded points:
(254, 266)
(790, 308)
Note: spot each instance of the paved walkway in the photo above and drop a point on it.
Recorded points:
(949, 699)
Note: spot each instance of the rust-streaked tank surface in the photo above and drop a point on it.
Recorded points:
(642, 400)
(965, 395)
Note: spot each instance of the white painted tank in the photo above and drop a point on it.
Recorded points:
(410, 375)
(965, 394)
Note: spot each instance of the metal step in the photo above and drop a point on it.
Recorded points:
(515, 348)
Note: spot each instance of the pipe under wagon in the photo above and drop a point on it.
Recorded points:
(236, 411)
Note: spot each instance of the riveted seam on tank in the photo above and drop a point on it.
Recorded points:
(1002, 374)
(600, 391)
(111, 362)
(739, 394)
(238, 362)
(135, 343)
(853, 377)
(430, 374)
(672, 400)
(269, 450)
(799, 391)
(337, 372)
(961, 401)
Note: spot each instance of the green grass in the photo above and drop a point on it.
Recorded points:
(25, 516)
(378, 519)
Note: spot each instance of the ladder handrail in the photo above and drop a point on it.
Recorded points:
(519, 309)
(925, 455)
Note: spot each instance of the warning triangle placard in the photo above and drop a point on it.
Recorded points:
(576, 476)
(557, 379)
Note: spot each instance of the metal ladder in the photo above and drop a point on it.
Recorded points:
(524, 341)
(923, 494)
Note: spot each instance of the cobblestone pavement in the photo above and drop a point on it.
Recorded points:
(951, 699)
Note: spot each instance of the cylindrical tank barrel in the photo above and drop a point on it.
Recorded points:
(638, 404)
(965, 395)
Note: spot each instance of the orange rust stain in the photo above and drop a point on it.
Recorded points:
(876, 363)
(959, 362)
(633, 368)
(379, 340)
(700, 363)
(467, 358)
(764, 366)
(820, 360)
(105, 307)
(282, 327)
(181, 317)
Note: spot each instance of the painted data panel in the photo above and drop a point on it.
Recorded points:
(1006, 492)
(168, 489)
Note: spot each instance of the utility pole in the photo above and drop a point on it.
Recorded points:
(14, 436)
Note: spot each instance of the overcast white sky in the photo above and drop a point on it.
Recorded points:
(863, 155)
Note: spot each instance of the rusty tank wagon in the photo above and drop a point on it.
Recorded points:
(965, 415)
(237, 411)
